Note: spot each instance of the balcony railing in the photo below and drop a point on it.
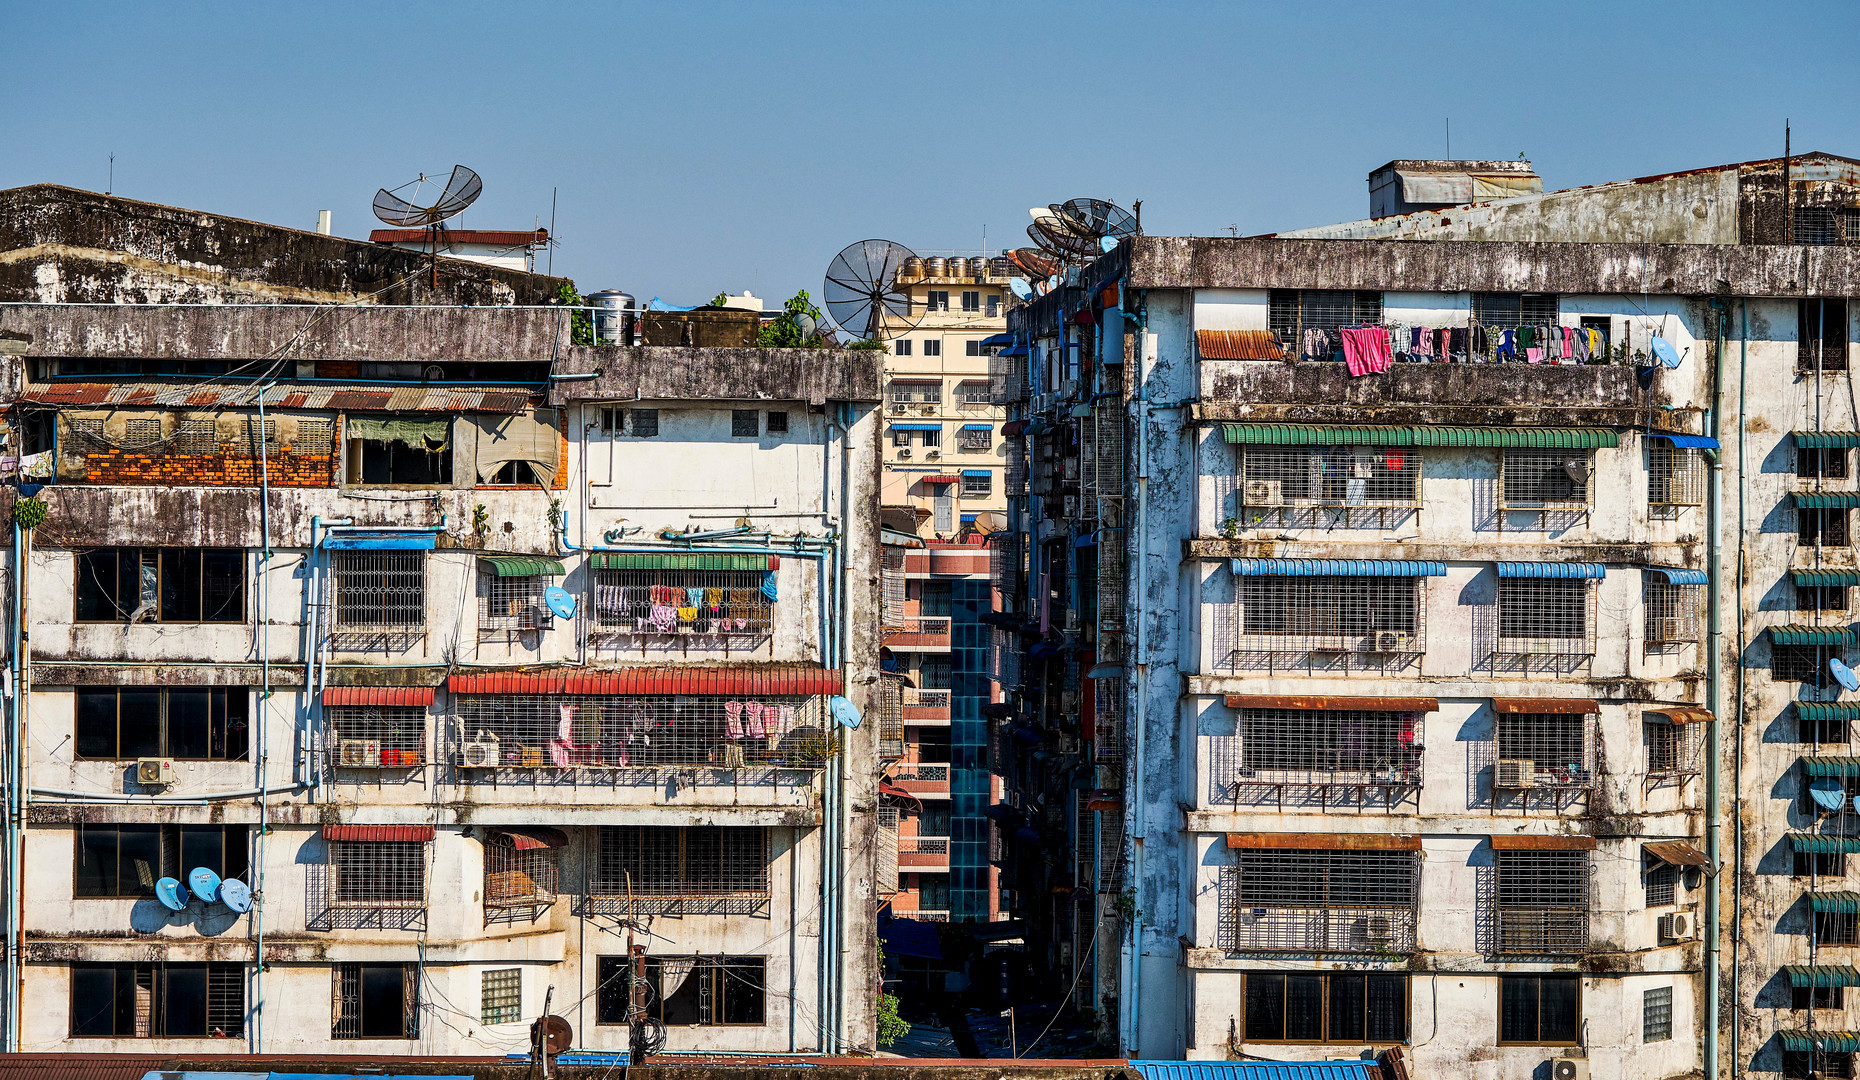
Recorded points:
(920, 633)
(922, 914)
(926, 699)
(924, 845)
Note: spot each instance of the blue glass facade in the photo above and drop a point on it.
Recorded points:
(969, 690)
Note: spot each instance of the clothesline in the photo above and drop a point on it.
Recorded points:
(1371, 348)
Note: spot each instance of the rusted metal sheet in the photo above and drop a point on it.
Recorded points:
(776, 680)
(377, 695)
(1683, 714)
(1320, 701)
(1543, 843)
(1323, 841)
(1545, 705)
(1677, 853)
(1238, 345)
(285, 396)
(378, 834)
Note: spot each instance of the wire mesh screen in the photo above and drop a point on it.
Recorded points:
(1544, 750)
(1014, 474)
(890, 706)
(1291, 311)
(1106, 477)
(519, 882)
(1534, 479)
(1320, 901)
(376, 736)
(1006, 379)
(885, 856)
(377, 875)
(1330, 614)
(379, 596)
(1675, 477)
(1672, 612)
(1546, 617)
(1113, 605)
(1505, 311)
(1318, 748)
(685, 870)
(512, 603)
(522, 731)
(681, 602)
(1004, 658)
(1108, 721)
(1673, 750)
(1110, 860)
(892, 589)
(1542, 901)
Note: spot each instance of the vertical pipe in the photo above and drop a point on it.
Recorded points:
(22, 689)
(262, 612)
(15, 743)
(1130, 993)
(1715, 634)
(1737, 761)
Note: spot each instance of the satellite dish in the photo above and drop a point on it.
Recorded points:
(1663, 350)
(806, 324)
(1578, 470)
(862, 291)
(1108, 244)
(425, 203)
(204, 883)
(560, 601)
(845, 713)
(1843, 674)
(171, 895)
(236, 895)
(1020, 288)
(1031, 264)
(554, 1033)
(1828, 794)
(1100, 219)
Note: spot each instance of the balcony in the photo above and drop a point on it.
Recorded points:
(924, 781)
(926, 706)
(923, 853)
(920, 634)
(1323, 929)
(922, 914)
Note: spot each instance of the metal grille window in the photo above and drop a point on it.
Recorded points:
(974, 439)
(1289, 312)
(1672, 611)
(184, 585)
(640, 731)
(977, 486)
(1546, 616)
(1542, 902)
(1536, 479)
(1819, 724)
(1544, 750)
(376, 736)
(1322, 901)
(1339, 1007)
(1799, 663)
(1815, 997)
(1818, 864)
(1285, 486)
(502, 995)
(1662, 884)
(1821, 335)
(1827, 463)
(1007, 378)
(706, 991)
(745, 423)
(890, 708)
(683, 601)
(1675, 477)
(1837, 928)
(776, 423)
(1821, 527)
(972, 392)
(1817, 225)
(1505, 311)
(1332, 614)
(126, 860)
(512, 603)
(681, 861)
(377, 874)
(157, 1001)
(379, 590)
(1320, 747)
(518, 880)
(1819, 1064)
(134, 722)
(375, 1001)
(1821, 598)
(1672, 748)
(1108, 721)
(907, 391)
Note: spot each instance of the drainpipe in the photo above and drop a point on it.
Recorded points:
(1133, 806)
(1737, 760)
(1713, 676)
(263, 614)
(15, 802)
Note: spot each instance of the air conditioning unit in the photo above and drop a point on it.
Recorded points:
(904, 451)
(1373, 932)
(1072, 506)
(1264, 492)
(1569, 1069)
(898, 407)
(933, 453)
(928, 408)
(1668, 629)
(1515, 773)
(358, 753)
(1393, 641)
(479, 753)
(1679, 926)
(155, 770)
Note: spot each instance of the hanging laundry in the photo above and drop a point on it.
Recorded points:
(1507, 345)
(662, 619)
(1366, 350)
(733, 719)
(1569, 343)
(752, 719)
(1534, 354)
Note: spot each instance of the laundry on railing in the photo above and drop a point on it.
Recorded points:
(1361, 348)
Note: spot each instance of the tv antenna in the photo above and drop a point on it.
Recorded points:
(428, 205)
(862, 291)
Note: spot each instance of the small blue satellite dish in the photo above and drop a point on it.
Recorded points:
(845, 713)
(171, 895)
(1020, 288)
(1844, 674)
(236, 895)
(560, 601)
(1664, 351)
(1828, 794)
(204, 883)
(1107, 244)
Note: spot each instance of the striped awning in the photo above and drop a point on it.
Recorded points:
(1842, 903)
(1811, 635)
(1405, 435)
(1676, 576)
(1685, 442)
(614, 560)
(1337, 568)
(1831, 765)
(1823, 844)
(378, 834)
(1545, 438)
(1828, 1042)
(1830, 711)
(1821, 975)
(520, 566)
(1802, 579)
(1826, 440)
(916, 427)
(794, 680)
(1826, 500)
(378, 695)
(1590, 571)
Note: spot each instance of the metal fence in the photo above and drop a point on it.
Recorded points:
(608, 732)
(1321, 901)
(1542, 902)
(1328, 486)
(1007, 379)
(375, 736)
(681, 602)
(1544, 750)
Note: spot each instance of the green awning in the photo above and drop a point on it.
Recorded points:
(430, 435)
(1831, 765)
(1811, 635)
(1828, 1042)
(1828, 710)
(1826, 500)
(613, 560)
(1808, 843)
(1318, 435)
(1805, 578)
(1402, 435)
(1826, 440)
(1546, 438)
(520, 565)
(1846, 903)
(1821, 975)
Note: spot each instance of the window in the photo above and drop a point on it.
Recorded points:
(682, 861)
(1543, 902)
(1541, 1009)
(1656, 1014)
(1329, 746)
(161, 585)
(377, 874)
(157, 1001)
(1352, 614)
(1321, 901)
(1837, 928)
(1798, 663)
(1558, 747)
(632, 597)
(1329, 475)
(994, 305)
(1545, 616)
(126, 860)
(971, 300)
(1291, 311)
(1675, 476)
(1671, 748)
(134, 722)
(520, 881)
(685, 991)
(1817, 225)
(1828, 463)
(1824, 526)
(936, 300)
(1815, 997)
(934, 598)
(906, 391)
(934, 674)
(972, 347)
(933, 347)
(1504, 311)
(901, 347)
(977, 485)
(643, 423)
(613, 985)
(745, 424)
(900, 436)
(932, 438)
(1821, 1064)
(645, 731)
(379, 590)
(502, 990)
(1819, 864)
(371, 736)
(1821, 336)
(974, 439)
(776, 423)
(375, 1001)
(1821, 598)
(974, 393)
(933, 892)
(394, 450)
(1672, 611)
(1662, 883)
(1345, 1008)
(1543, 479)
(1820, 723)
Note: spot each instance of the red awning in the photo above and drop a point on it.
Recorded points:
(526, 838)
(378, 834)
(1545, 705)
(767, 681)
(897, 792)
(940, 478)
(1013, 428)
(378, 695)
(1320, 702)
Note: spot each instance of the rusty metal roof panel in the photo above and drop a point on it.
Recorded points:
(1289, 841)
(504, 401)
(359, 399)
(407, 398)
(79, 1066)
(1543, 842)
(1238, 345)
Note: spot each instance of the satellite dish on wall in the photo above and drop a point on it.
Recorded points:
(171, 895)
(204, 883)
(560, 601)
(1828, 794)
(1844, 674)
(1663, 350)
(1020, 288)
(845, 713)
(236, 895)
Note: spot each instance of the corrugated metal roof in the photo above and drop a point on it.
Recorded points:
(1337, 568)
(378, 695)
(525, 838)
(1831, 765)
(1688, 442)
(521, 565)
(1831, 1042)
(1677, 853)
(1542, 842)
(1318, 435)
(1843, 902)
(1238, 345)
(1560, 706)
(1291, 841)
(1821, 975)
(1810, 578)
(1826, 440)
(378, 834)
(618, 560)
(326, 396)
(1682, 714)
(777, 680)
(1828, 710)
(1589, 571)
(1546, 438)
(1677, 576)
(1344, 704)
(79, 1066)
(1824, 843)
(1826, 500)
(1810, 635)
(1256, 1070)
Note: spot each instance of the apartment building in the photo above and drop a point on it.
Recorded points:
(1479, 694)
(500, 672)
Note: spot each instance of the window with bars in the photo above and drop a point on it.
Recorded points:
(1322, 901)
(1662, 884)
(1821, 526)
(975, 439)
(675, 861)
(1672, 611)
(682, 601)
(1671, 748)
(1814, 864)
(776, 423)
(1675, 477)
(1820, 597)
(370, 736)
(637, 423)
(157, 1001)
(1837, 928)
(1333, 1007)
(1544, 750)
(978, 486)
(1656, 1014)
(375, 1001)
(127, 860)
(1537, 479)
(1822, 335)
(1506, 311)
(686, 991)
(1540, 1009)
(1332, 614)
(643, 731)
(1108, 721)
(1799, 663)
(377, 874)
(379, 590)
(1826, 463)
(1820, 725)
(519, 879)
(512, 603)
(1546, 616)
(1290, 312)
(1542, 902)
(180, 585)
(1316, 747)
(974, 392)
(1329, 476)
(501, 992)
(136, 721)
(1815, 997)
(1817, 225)
(745, 423)
(1818, 1064)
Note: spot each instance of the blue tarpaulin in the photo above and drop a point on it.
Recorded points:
(381, 541)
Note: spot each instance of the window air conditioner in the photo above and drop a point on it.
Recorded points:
(1679, 926)
(155, 771)
(1264, 492)
(1569, 1069)
(1373, 932)
(1392, 641)
(1515, 773)
(479, 753)
(358, 753)
(933, 453)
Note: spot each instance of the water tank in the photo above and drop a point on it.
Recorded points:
(978, 266)
(936, 266)
(913, 268)
(613, 317)
(999, 267)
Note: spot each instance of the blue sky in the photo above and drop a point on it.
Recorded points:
(727, 146)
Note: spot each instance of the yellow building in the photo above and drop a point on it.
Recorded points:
(943, 455)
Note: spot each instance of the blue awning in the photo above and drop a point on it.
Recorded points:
(969, 517)
(381, 541)
(1337, 568)
(975, 472)
(978, 427)
(1354, 1069)
(1677, 577)
(1018, 350)
(1088, 540)
(1551, 570)
(998, 339)
(917, 427)
(1686, 442)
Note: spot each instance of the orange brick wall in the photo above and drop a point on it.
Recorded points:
(209, 470)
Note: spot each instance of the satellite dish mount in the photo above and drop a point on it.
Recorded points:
(417, 205)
